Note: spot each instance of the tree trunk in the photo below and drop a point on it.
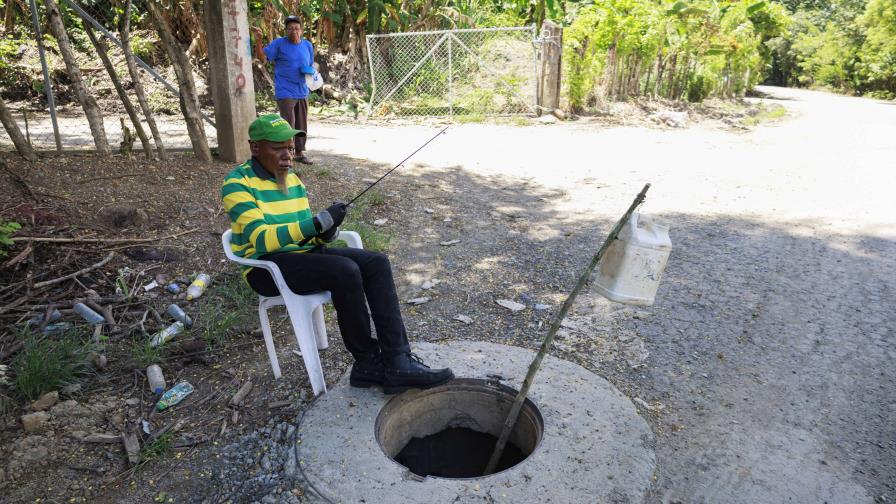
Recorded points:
(94, 116)
(101, 50)
(670, 90)
(135, 79)
(15, 134)
(9, 17)
(189, 102)
(660, 66)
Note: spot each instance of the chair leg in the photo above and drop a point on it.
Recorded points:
(303, 328)
(320, 328)
(268, 338)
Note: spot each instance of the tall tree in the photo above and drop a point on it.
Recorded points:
(88, 103)
(189, 101)
(12, 129)
(125, 30)
(102, 51)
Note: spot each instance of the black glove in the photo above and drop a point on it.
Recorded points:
(337, 210)
(329, 234)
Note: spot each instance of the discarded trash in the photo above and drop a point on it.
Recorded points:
(156, 379)
(630, 272)
(145, 425)
(38, 319)
(510, 305)
(165, 335)
(463, 318)
(87, 314)
(198, 286)
(178, 314)
(542, 306)
(380, 222)
(428, 210)
(173, 288)
(150, 286)
(418, 301)
(57, 327)
(449, 243)
(175, 395)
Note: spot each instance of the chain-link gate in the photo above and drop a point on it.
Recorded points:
(488, 71)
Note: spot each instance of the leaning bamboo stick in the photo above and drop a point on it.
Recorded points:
(514, 413)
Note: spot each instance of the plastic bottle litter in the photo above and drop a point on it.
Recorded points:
(156, 379)
(174, 395)
(166, 334)
(198, 286)
(178, 314)
(173, 288)
(38, 319)
(87, 314)
(57, 327)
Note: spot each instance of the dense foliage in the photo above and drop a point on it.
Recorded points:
(613, 49)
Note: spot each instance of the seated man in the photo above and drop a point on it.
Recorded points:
(271, 220)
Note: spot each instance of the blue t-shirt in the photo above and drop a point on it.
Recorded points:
(289, 60)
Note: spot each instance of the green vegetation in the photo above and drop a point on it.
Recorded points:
(6, 231)
(227, 305)
(766, 115)
(45, 365)
(144, 353)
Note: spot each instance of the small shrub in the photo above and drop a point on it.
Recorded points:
(6, 231)
(45, 365)
(144, 354)
(699, 87)
(162, 102)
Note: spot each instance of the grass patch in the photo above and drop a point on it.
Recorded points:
(45, 365)
(320, 172)
(766, 115)
(373, 238)
(155, 449)
(144, 354)
(229, 302)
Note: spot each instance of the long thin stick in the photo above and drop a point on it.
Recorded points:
(100, 240)
(510, 422)
(77, 273)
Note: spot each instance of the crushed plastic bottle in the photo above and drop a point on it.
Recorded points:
(166, 334)
(173, 288)
(155, 378)
(174, 395)
(177, 313)
(38, 319)
(198, 286)
(87, 314)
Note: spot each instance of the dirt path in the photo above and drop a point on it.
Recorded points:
(770, 347)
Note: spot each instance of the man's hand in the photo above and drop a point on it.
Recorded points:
(331, 217)
(256, 32)
(329, 234)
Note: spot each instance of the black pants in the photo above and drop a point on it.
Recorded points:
(351, 275)
(296, 114)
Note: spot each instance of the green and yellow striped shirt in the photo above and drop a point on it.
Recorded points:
(262, 218)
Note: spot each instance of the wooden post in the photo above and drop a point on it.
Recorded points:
(514, 413)
(552, 51)
(230, 75)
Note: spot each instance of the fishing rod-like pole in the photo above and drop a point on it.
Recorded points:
(306, 240)
(396, 166)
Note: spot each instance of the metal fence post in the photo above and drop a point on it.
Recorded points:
(450, 82)
(43, 64)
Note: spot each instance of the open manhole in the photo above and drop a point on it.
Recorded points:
(451, 431)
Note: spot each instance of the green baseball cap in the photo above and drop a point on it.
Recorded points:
(273, 128)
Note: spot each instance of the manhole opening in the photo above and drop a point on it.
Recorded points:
(450, 431)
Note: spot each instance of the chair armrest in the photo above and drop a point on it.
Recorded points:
(351, 238)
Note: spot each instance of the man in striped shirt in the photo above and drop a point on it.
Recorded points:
(271, 219)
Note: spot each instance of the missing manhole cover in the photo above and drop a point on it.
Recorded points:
(450, 431)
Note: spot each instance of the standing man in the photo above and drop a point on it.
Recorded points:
(271, 220)
(293, 57)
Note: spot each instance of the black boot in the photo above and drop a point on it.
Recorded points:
(406, 371)
(367, 370)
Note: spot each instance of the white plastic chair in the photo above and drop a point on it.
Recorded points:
(305, 312)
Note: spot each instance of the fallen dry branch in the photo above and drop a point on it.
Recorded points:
(21, 256)
(80, 272)
(241, 394)
(49, 239)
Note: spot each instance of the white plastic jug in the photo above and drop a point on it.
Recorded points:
(633, 264)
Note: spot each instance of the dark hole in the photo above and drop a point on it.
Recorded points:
(456, 452)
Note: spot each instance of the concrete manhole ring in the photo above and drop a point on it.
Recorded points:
(594, 446)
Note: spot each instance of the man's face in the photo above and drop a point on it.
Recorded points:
(294, 32)
(275, 157)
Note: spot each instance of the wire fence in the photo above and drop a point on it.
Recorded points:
(32, 109)
(486, 72)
